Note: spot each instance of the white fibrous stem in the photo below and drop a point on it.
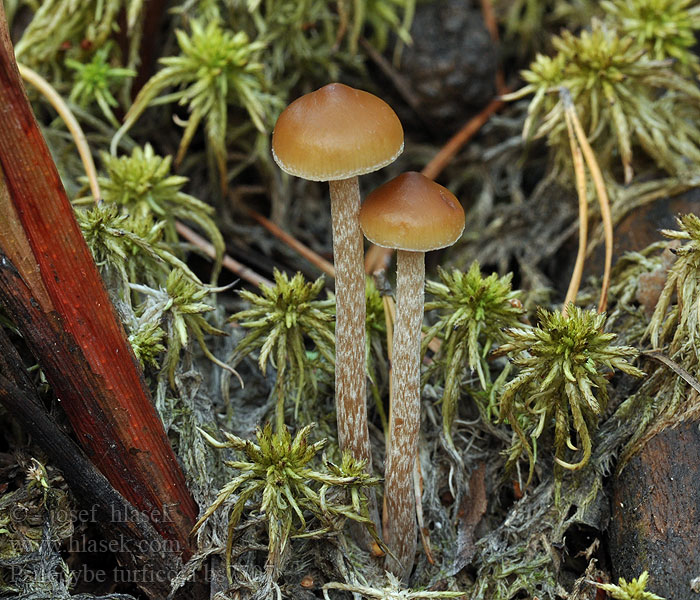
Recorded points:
(350, 374)
(404, 420)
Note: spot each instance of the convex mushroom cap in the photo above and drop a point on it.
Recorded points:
(336, 132)
(412, 212)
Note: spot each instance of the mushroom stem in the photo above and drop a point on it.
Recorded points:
(350, 385)
(404, 418)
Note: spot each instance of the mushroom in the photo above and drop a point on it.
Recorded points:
(412, 214)
(335, 134)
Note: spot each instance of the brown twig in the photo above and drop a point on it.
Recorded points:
(399, 82)
(384, 287)
(489, 19)
(316, 260)
(229, 263)
(457, 141)
(675, 367)
(492, 26)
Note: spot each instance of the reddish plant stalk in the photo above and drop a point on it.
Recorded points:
(71, 325)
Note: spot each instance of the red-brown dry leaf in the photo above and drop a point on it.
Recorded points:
(471, 509)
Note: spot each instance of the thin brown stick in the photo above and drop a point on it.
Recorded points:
(492, 26)
(229, 263)
(675, 367)
(316, 260)
(601, 192)
(389, 318)
(581, 190)
(400, 83)
(457, 141)
(489, 19)
(377, 258)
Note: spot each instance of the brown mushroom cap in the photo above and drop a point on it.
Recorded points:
(336, 132)
(412, 212)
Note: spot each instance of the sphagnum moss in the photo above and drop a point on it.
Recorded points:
(75, 23)
(215, 68)
(473, 311)
(669, 397)
(632, 590)
(94, 82)
(664, 28)
(147, 343)
(279, 321)
(131, 246)
(181, 305)
(291, 51)
(619, 95)
(392, 591)
(142, 185)
(278, 477)
(683, 282)
(562, 362)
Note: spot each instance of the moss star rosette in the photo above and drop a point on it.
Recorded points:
(563, 364)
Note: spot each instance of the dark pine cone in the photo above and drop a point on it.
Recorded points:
(451, 65)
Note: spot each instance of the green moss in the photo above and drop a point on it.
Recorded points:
(633, 590)
(279, 321)
(94, 82)
(216, 68)
(679, 323)
(664, 28)
(393, 589)
(624, 100)
(142, 186)
(561, 383)
(58, 25)
(180, 304)
(130, 245)
(278, 478)
(667, 397)
(473, 311)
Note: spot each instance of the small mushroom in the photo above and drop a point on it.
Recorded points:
(335, 134)
(412, 214)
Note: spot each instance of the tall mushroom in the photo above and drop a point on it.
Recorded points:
(335, 134)
(412, 214)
